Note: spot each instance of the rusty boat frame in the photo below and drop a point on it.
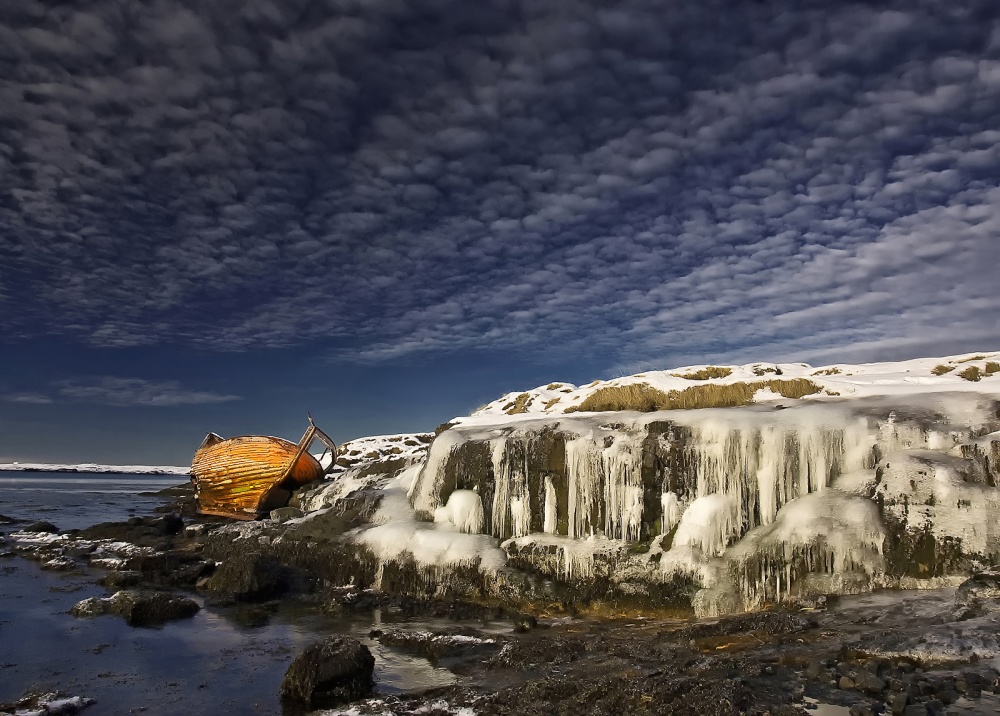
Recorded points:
(246, 476)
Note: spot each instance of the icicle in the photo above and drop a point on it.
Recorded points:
(551, 507)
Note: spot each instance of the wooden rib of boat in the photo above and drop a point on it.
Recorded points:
(250, 475)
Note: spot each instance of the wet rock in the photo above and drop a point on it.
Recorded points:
(846, 682)
(435, 645)
(524, 622)
(248, 576)
(283, 514)
(979, 595)
(141, 609)
(122, 580)
(915, 710)
(328, 673)
(46, 527)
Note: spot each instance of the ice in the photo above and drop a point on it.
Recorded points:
(464, 510)
(511, 501)
(709, 523)
(605, 481)
(551, 507)
(827, 532)
(671, 511)
(396, 532)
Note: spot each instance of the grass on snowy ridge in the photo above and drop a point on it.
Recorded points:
(707, 373)
(645, 398)
(942, 369)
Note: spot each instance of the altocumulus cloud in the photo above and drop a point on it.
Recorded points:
(631, 180)
(128, 392)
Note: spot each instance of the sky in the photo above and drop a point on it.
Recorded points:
(220, 215)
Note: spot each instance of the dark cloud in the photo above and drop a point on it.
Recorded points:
(639, 183)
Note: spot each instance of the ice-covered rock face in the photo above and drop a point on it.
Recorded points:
(756, 504)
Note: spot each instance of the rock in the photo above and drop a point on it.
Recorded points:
(122, 580)
(41, 527)
(915, 710)
(168, 524)
(861, 710)
(248, 576)
(870, 683)
(329, 673)
(898, 703)
(846, 682)
(978, 595)
(524, 622)
(195, 530)
(138, 608)
(814, 669)
(283, 514)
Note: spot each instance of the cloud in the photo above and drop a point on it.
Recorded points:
(387, 180)
(27, 398)
(130, 392)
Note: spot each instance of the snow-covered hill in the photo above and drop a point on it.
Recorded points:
(971, 372)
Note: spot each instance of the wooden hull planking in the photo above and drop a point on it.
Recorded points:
(245, 476)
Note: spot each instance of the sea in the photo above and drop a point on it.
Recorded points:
(213, 663)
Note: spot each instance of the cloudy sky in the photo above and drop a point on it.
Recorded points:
(220, 214)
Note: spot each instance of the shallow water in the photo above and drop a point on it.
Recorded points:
(209, 664)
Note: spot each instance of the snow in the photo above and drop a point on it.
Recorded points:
(91, 467)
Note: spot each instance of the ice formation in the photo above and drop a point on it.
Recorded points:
(605, 486)
(671, 507)
(709, 523)
(511, 501)
(464, 510)
(826, 532)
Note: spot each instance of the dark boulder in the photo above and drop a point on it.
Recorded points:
(140, 609)
(248, 576)
(328, 673)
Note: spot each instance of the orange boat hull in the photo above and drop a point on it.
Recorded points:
(244, 477)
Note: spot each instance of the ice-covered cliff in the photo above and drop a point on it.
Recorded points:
(883, 474)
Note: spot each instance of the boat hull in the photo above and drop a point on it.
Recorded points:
(246, 476)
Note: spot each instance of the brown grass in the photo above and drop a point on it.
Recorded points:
(971, 373)
(942, 369)
(550, 403)
(645, 398)
(518, 405)
(712, 371)
(992, 367)
(553, 386)
(828, 371)
(969, 360)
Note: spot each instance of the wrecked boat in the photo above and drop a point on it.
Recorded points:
(248, 476)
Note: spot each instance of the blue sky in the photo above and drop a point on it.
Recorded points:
(220, 215)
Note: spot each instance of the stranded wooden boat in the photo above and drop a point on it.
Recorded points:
(250, 475)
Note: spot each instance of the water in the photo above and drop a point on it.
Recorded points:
(209, 664)
(77, 500)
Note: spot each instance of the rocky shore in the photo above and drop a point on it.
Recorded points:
(910, 653)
